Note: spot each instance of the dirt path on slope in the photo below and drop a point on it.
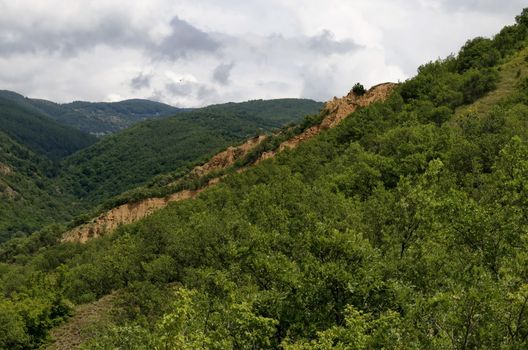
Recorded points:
(80, 326)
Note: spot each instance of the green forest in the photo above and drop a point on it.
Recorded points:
(405, 227)
(57, 173)
(95, 118)
(174, 145)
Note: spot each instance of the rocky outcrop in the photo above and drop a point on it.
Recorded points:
(228, 157)
(122, 215)
(335, 110)
(7, 191)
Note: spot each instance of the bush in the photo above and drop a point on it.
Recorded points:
(477, 83)
(359, 89)
(477, 53)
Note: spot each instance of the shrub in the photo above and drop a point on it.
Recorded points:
(359, 89)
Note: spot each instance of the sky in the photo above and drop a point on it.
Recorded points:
(191, 53)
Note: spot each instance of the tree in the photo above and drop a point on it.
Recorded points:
(359, 89)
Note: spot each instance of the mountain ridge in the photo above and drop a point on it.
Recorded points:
(334, 111)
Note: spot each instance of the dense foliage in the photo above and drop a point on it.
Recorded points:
(130, 158)
(406, 227)
(39, 133)
(102, 118)
(37, 192)
(97, 118)
(27, 198)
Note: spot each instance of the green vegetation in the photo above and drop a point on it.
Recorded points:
(97, 118)
(173, 145)
(102, 118)
(38, 132)
(39, 192)
(359, 89)
(406, 227)
(27, 198)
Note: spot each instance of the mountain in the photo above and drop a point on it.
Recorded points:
(96, 118)
(173, 145)
(401, 225)
(101, 118)
(137, 203)
(28, 126)
(51, 188)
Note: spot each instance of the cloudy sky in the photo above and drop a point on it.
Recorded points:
(196, 52)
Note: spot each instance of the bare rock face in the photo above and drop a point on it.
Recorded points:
(339, 108)
(122, 215)
(336, 110)
(228, 157)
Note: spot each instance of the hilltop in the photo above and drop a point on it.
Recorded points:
(95, 118)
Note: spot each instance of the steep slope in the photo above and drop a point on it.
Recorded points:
(404, 227)
(39, 133)
(335, 111)
(132, 157)
(28, 199)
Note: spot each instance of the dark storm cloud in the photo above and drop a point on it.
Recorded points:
(184, 38)
(112, 30)
(190, 89)
(206, 93)
(325, 43)
(140, 81)
(222, 72)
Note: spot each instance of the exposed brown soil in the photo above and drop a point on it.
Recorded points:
(228, 157)
(78, 328)
(122, 215)
(336, 110)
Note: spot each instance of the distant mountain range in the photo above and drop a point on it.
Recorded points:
(96, 118)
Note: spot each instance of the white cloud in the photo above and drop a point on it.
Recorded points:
(192, 53)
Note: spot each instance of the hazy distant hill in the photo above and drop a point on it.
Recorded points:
(103, 118)
(98, 118)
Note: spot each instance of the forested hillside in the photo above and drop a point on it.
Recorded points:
(52, 189)
(96, 118)
(130, 158)
(35, 130)
(103, 118)
(28, 200)
(405, 227)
